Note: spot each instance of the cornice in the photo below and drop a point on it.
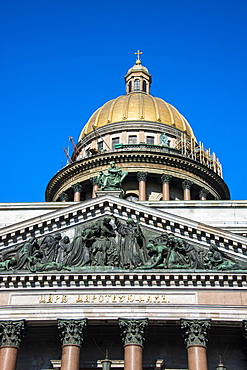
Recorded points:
(120, 157)
(126, 279)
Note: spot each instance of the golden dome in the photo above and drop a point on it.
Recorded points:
(137, 106)
(137, 68)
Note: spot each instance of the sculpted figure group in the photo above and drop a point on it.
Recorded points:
(166, 251)
(111, 243)
(112, 179)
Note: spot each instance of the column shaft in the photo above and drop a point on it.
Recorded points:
(187, 194)
(70, 357)
(8, 357)
(77, 196)
(142, 190)
(197, 358)
(166, 191)
(94, 189)
(133, 357)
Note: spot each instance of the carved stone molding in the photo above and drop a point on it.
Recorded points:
(133, 331)
(12, 332)
(165, 178)
(64, 197)
(195, 332)
(186, 184)
(76, 187)
(142, 176)
(72, 332)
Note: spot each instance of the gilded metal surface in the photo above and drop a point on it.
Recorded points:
(137, 106)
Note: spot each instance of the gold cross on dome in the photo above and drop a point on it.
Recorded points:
(138, 53)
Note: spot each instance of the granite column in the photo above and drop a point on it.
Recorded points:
(133, 336)
(195, 334)
(95, 186)
(142, 178)
(186, 185)
(77, 188)
(72, 333)
(165, 180)
(12, 333)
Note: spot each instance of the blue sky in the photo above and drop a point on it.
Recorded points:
(61, 60)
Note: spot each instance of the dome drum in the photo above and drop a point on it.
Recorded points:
(155, 164)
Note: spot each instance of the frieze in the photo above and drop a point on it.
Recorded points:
(154, 220)
(111, 244)
(101, 299)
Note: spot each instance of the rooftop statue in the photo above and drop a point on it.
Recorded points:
(112, 179)
(164, 139)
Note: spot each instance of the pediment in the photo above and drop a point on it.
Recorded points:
(142, 239)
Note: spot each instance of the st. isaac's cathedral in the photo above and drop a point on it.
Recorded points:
(137, 259)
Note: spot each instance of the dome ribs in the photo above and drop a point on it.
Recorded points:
(110, 114)
(170, 112)
(156, 108)
(141, 106)
(126, 107)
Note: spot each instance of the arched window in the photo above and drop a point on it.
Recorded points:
(130, 86)
(144, 86)
(137, 84)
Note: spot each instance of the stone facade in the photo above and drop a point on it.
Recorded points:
(144, 273)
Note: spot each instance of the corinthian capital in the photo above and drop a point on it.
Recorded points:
(133, 331)
(203, 193)
(12, 332)
(72, 332)
(165, 178)
(64, 197)
(77, 187)
(142, 176)
(186, 184)
(195, 332)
